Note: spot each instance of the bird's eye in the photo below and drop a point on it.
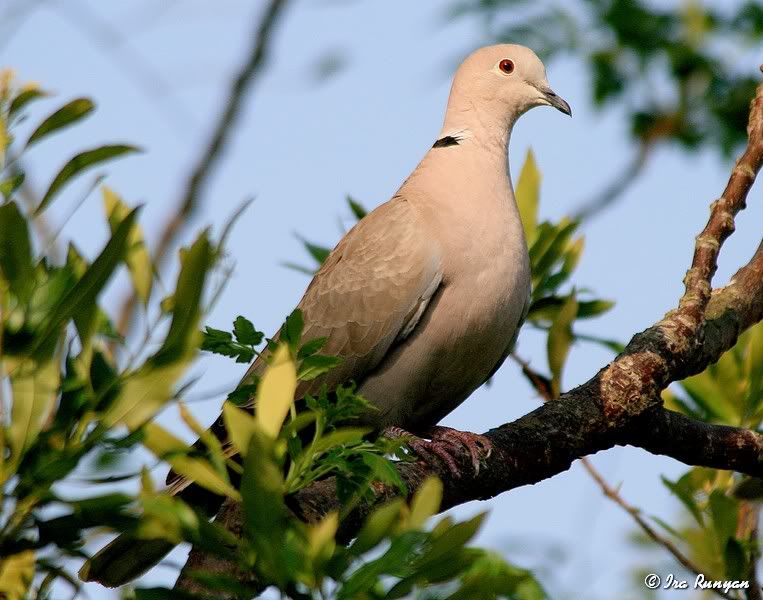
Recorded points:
(506, 65)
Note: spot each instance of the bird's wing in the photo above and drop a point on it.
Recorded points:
(369, 293)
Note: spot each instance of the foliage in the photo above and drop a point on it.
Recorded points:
(75, 397)
(718, 523)
(673, 69)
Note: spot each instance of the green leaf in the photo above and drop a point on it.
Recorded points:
(559, 341)
(275, 394)
(70, 113)
(320, 536)
(167, 447)
(528, 194)
(377, 526)
(24, 98)
(425, 503)
(725, 513)
(9, 186)
(137, 259)
(79, 163)
(754, 368)
(265, 514)
(316, 365)
(182, 336)
(240, 426)
(83, 294)
(593, 308)
(710, 396)
(16, 266)
(144, 393)
(340, 437)
(735, 559)
(451, 539)
(311, 347)
(683, 490)
(35, 390)
(357, 209)
(291, 332)
(246, 333)
(543, 261)
(319, 253)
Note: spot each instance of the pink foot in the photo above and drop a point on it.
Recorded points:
(443, 443)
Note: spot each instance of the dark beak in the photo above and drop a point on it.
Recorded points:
(557, 102)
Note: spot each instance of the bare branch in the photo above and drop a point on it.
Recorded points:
(635, 513)
(619, 184)
(213, 151)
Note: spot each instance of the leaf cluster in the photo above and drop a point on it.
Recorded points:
(671, 67)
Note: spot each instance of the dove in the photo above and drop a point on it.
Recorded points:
(424, 297)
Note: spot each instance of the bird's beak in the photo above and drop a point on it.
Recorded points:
(557, 102)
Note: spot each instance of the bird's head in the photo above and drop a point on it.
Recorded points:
(499, 83)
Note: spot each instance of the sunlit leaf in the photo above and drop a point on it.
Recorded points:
(16, 573)
(79, 163)
(70, 113)
(167, 447)
(528, 195)
(240, 426)
(560, 339)
(426, 502)
(35, 390)
(320, 537)
(183, 336)
(339, 437)
(137, 259)
(144, 393)
(378, 525)
(275, 394)
(9, 186)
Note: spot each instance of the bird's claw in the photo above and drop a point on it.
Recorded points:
(443, 443)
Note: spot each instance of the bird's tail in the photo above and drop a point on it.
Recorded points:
(128, 557)
(124, 559)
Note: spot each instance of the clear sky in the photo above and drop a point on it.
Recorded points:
(159, 77)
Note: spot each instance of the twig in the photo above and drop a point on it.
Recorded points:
(635, 513)
(213, 150)
(142, 72)
(619, 184)
(540, 383)
(722, 212)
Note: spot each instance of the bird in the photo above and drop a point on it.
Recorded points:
(424, 297)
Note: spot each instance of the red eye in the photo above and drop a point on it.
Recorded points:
(506, 65)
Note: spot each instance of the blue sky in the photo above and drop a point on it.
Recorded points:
(159, 79)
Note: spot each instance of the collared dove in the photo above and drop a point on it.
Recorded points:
(424, 297)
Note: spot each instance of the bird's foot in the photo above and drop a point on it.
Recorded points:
(443, 443)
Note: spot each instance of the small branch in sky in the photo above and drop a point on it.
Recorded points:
(635, 513)
(611, 192)
(212, 152)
